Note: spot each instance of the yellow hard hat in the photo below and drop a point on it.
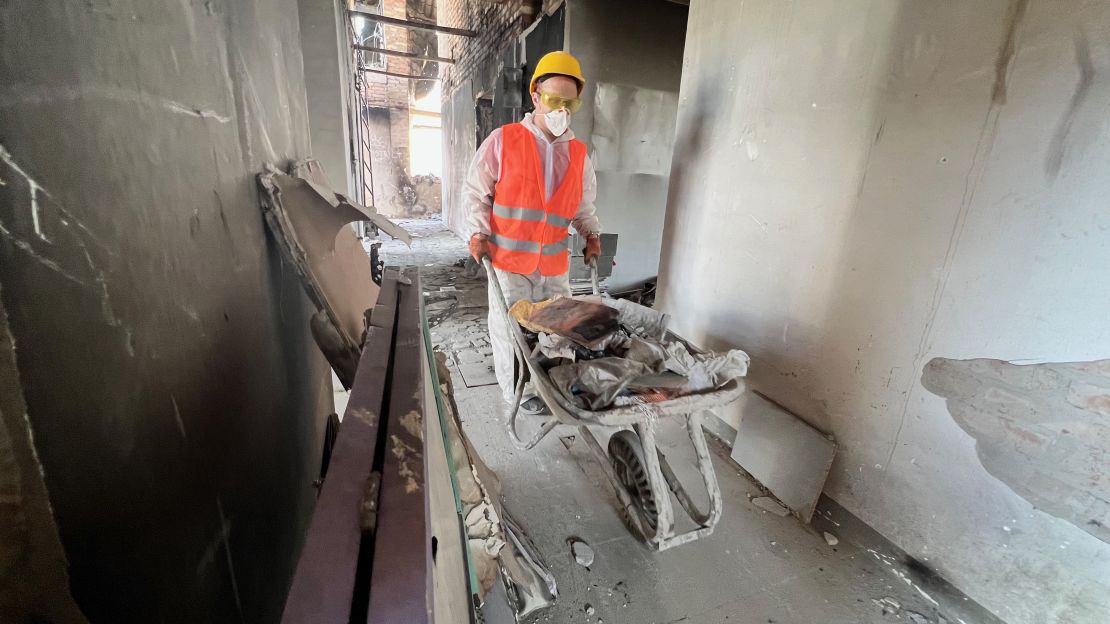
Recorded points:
(561, 63)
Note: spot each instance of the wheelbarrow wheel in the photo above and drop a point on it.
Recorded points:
(627, 456)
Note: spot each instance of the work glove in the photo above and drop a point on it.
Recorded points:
(478, 247)
(593, 249)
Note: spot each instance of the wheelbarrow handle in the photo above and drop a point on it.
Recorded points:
(496, 285)
(593, 276)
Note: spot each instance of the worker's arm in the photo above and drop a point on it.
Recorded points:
(585, 220)
(481, 177)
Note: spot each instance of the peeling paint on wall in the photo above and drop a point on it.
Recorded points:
(1042, 429)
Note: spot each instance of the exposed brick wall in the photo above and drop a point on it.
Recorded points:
(388, 98)
(386, 90)
(498, 23)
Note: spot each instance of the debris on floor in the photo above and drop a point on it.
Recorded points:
(831, 539)
(583, 554)
(889, 605)
(499, 547)
(892, 607)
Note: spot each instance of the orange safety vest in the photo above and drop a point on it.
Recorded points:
(529, 232)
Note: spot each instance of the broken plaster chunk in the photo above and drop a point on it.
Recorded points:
(831, 539)
(590, 609)
(766, 503)
(583, 554)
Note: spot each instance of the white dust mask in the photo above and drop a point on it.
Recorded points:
(557, 121)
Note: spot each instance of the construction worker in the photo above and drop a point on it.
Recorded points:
(527, 183)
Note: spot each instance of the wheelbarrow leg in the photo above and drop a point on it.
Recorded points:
(708, 475)
(705, 466)
(660, 490)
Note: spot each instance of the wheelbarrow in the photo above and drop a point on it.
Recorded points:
(638, 472)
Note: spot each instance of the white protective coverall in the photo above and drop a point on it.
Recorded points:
(485, 170)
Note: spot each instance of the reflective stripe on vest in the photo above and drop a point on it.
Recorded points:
(527, 214)
(529, 231)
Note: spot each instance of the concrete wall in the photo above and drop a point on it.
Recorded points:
(174, 393)
(863, 192)
(637, 44)
(327, 73)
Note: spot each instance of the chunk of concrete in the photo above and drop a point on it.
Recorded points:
(583, 554)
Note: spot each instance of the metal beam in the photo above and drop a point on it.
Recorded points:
(401, 579)
(409, 55)
(393, 74)
(324, 581)
(393, 21)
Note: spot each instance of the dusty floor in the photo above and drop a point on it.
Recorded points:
(757, 568)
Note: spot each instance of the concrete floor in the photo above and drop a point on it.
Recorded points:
(757, 568)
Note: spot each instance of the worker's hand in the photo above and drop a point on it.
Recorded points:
(593, 249)
(479, 247)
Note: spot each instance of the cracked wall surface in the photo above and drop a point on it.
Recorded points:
(860, 188)
(174, 395)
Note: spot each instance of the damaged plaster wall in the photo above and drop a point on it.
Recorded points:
(861, 187)
(631, 53)
(174, 394)
(459, 145)
(1043, 429)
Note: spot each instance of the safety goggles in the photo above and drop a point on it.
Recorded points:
(555, 102)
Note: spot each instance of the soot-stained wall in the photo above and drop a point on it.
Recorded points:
(172, 387)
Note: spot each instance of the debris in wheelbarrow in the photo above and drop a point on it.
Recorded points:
(639, 320)
(706, 370)
(618, 348)
(595, 383)
(584, 322)
(649, 368)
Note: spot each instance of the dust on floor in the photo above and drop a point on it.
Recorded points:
(757, 568)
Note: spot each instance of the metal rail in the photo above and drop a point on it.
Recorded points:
(393, 21)
(367, 554)
(409, 55)
(367, 70)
